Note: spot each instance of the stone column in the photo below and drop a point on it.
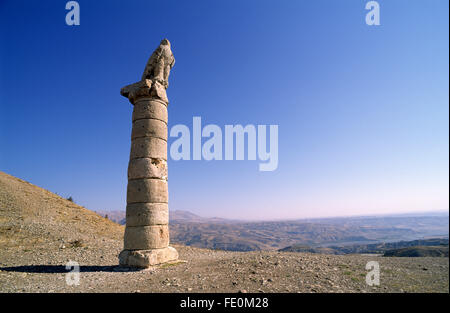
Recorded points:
(146, 240)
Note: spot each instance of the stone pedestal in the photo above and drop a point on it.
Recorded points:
(146, 240)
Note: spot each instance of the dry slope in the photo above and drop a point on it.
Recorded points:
(31, 216)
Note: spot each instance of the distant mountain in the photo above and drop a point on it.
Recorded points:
(175, 216)
(184, 216)
(180, 216)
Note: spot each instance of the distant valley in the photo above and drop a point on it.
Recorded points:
(326, 235)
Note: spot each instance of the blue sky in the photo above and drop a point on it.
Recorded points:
(362, 111)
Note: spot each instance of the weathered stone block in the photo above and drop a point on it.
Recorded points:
(147, 258)
(149, 127)
(150, 108)
(146, 214)
(147, 191)
(148, 147)
(147, 168)
(146, 237)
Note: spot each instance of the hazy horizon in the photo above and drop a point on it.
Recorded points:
(412, 214)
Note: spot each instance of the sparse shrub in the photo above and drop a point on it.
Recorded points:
(106, 216)
(76, 243)
(70, 199)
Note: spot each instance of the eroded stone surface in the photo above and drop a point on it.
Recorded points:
(147, 168)
(150, 108)
(159, 64)
(145, 88)
(147, 191)
(146, 237)
(147, 258)
(148, 147)
(149, 128)
(145, 214)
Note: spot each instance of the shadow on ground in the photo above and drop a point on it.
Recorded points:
(63, 269)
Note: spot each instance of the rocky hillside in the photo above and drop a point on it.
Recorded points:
(376, 248)
(40, 232)
(32, 216)
(419, 251)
